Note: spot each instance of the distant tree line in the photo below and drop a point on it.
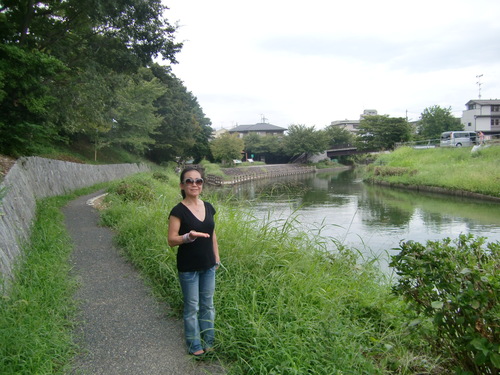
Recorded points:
(375, 133)
(72, 69)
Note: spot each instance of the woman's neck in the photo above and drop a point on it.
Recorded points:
(191, 200)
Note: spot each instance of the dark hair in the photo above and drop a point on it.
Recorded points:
(189, 169)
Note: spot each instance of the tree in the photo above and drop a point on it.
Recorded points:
(26, 99)
(268, 148)
(134, 117)
(382, 132)
(227, 148)
(337, 135)
(185, 131)
(435, 120)
(304, 140)
(253, 143)
(61, 62)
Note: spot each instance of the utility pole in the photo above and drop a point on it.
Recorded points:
(479, 84)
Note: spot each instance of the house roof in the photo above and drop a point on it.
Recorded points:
(257, 128)
(484, 102)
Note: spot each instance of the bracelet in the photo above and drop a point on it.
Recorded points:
(186, 238)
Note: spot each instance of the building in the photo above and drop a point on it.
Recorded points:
(261, 128)
(350, 125)
(482, 115)
(219, 132)
(353, 125)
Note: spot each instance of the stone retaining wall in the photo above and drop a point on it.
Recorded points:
(33, 178)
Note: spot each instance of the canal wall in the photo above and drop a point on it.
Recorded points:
(242, 174)
(33, 178)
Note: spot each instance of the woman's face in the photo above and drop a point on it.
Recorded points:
(192, 183)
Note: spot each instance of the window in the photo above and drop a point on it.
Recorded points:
(495, 121)
(469, 124)
(495, 108)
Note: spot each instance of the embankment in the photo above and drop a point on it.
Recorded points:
(34, 178)
(241, 174)
(440, 190)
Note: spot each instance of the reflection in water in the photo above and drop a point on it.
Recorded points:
(372, 219)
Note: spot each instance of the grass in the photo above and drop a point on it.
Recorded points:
(284, 304)
(456, 169)
(37, 316)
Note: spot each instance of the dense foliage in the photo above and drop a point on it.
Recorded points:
(382, 132)
(455, 285)
(73, 69)
(304, 140)
(227, 147)
(435, 120)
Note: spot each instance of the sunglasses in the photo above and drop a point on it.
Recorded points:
(190, 181)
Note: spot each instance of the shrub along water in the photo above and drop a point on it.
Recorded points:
(284, 304)
(454, 285)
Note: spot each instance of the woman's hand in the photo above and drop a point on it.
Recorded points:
(194, 234)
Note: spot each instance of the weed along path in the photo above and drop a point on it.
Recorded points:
(122, 328)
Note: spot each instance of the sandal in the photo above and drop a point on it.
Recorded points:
(198, 354)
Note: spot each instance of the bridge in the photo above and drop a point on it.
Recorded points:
(343, 150)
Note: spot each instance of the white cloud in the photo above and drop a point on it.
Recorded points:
(323, 60)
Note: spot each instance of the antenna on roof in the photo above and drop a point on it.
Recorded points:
(263, 119)
(479, 84)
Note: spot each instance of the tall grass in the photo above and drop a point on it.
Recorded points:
(37, 315)
(449, 168)
(284, 304)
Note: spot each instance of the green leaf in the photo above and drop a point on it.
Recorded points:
(475, 304)
(415, 322)
(495, 359)
(437, 304)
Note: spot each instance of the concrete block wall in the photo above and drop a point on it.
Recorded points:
(34, 178)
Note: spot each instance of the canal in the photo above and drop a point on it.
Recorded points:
(367, 218)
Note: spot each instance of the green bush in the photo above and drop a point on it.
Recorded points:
(135, 190)
(455, 285)
(161, 176)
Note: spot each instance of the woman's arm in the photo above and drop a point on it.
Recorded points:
(174, 238)
(174, 224)
(216, 247)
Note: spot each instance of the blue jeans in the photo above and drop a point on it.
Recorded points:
(199, 313)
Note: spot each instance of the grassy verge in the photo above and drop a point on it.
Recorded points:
(448, 168)
(37, 315)
(284, 304)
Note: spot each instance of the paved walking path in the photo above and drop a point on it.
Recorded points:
(124, 329)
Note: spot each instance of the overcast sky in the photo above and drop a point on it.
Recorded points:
(317, 61)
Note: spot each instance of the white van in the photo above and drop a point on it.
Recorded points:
(458, 139)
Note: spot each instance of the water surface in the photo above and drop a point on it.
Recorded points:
(372, 219)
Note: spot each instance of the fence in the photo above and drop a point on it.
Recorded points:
(259, 173)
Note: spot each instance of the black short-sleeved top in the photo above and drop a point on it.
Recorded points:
(198, 255)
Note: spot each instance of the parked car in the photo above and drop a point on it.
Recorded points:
(458, 139)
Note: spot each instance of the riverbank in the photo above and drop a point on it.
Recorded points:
(457, 171)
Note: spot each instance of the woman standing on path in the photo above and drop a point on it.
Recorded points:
(191, 227)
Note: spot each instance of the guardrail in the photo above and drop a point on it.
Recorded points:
(249, 176)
